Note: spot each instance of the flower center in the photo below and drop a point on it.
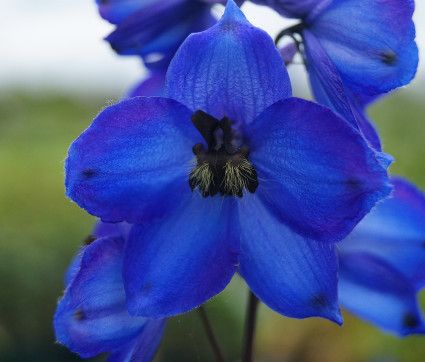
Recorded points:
(223, 167)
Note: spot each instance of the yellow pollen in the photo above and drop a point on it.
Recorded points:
(203, 174)
(235, 176)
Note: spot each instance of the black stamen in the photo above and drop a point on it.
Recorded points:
(206, 125)
(228, 136)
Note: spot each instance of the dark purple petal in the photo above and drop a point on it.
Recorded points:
(294, 276)
(315, 171)
(232, 69)
(175, 265)
(132, 163)
(378, 293)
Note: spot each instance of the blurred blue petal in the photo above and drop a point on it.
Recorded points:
(375, 291)
(395, 232)
(371, 45)
(177, 264)
(234, 70)
(296, 8)
(117, 10)
(158, 28)
(292, 275)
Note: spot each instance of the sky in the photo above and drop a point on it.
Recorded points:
(57, 44)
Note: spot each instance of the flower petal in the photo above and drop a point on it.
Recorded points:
(294, 276)
(92, 317)
(373, 290)
(179, 263)
(100, 230)
(232, 69)
(295, 8)
(159, 28)
(144, 346)
(315, 171)
(329, 90)
(371, 45)
(132, 162)
(117, 10)
(325, 80)
(395, 232)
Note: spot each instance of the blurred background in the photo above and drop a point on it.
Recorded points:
(56, 74)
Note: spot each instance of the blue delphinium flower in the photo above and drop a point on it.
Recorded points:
(92, 317)
(154, 29)
(382, 262)
(370, 42)
(230, 173)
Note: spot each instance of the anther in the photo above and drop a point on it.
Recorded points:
(223, 167)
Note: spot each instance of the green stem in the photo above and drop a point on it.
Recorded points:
(251, 316)
(210, 334)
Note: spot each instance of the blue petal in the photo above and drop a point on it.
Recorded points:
(232, 69)
(300, 9)
(376, 292)
(132, 162)
(329, 90)
(159, 28)
(325, 80)
(92, 317)
(315, 171)
(177, 264)
(369, 131)
(154, 85)
(395, 232)
(144, 346)
(371, 45)
(100, 230)
(117, 10)
(73, 267)
(294, 276)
